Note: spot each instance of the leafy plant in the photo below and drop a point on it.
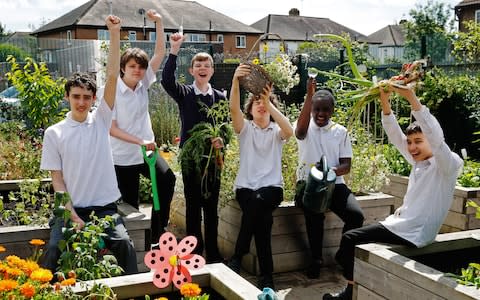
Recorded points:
(82, 249)
(30, 206)
(282, 72)
(40, 94)
(470, 176)
(198, 152)
(9, 49)
(396, 162)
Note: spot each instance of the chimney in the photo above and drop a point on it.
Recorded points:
(294, 12)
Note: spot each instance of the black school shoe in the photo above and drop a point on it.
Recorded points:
(346, 294)
(265, 281)
(313, 271)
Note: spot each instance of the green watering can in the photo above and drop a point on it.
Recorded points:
(151, 161)
(319, 187)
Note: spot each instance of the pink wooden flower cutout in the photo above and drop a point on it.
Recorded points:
(171, 263)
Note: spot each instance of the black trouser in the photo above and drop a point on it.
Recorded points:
(128, 178)
(343, 205)
(367, 234)
(118, 241)
(257, 208)
(201, 192)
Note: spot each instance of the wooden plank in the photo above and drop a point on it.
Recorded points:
(14, 185)
(366, 294)
(388, 285)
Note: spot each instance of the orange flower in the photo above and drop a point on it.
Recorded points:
(29, 266)
(190, 290)
(69, 281)
(27, 289)
(42, 275)
(13, 260)
(2, 249)
(161, 298)
(37, 242)
(14, 272)
(8, 285)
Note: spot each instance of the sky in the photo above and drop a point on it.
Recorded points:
(364, 16)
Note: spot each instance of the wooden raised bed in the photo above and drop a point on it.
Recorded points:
(289, 239)
(460, 217)
(398, 272)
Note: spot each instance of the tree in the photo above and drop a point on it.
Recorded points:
(8, 49)
(427, 31)
(466, 45)
(3, 31)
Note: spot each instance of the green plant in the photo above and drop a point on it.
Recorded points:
(40, 94)
(198, 153)
(8, 49)
(470, 176)
(396, 162)
(282, 72)
(81, 249)
(164, 115)
(31, 205)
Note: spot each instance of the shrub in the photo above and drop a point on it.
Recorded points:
(8, 49)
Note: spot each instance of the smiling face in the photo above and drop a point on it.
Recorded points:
(81, 100)
(202, 71)
(322, 111)
(418, 146)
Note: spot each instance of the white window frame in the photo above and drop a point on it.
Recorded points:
(196, 37)
(240, 41)
(103, 35)
(132, 35)
(69, 37)
(220, 38)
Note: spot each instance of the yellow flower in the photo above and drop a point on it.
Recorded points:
(8, 285)
(27, 289)
(42, 275)
(2, 249)
(37, 242)
(256, 61)
(13, 260)
(29, 266)
(14, 272)
(190, 290)
(69, 281)
(161, 298)
(282, 49)
(265, 47)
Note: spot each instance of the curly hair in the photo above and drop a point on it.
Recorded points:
(83, 80)
(248, 105)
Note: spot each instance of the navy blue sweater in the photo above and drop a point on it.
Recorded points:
(184, 94)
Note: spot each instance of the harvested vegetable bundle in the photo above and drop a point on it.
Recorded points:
(369, 90)
(198, 152)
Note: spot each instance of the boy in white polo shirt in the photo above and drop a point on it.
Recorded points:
(132, 128)
(317, 135)
(77, 152)
(430, 186)
(259, 182)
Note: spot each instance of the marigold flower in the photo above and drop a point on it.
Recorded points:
(256, 61)
(13, 260)
(69, 281)
(29, 266)
(42, 275)
(2, 249)
(265, 47)
(8, 285)
(37, 242)
(190, 290)
(161, 298)
(27, 289)
(14, 272)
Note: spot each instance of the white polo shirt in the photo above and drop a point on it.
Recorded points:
(431, 183)
(82, 152)
(260, 156)
(131, 114)
(331, 140)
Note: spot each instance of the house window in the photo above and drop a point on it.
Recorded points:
(220, 38)
(103, 35)
(152, 36)
(240, 41)
(132, 35)
(69, 37)
(196, 37)
(477, 16)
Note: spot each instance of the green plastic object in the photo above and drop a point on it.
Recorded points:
(151, 161)
(319, 188)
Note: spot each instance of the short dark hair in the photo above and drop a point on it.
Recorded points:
(249, 103)
(137, 54)
(83, 80)
(414, 127)
(324, 94)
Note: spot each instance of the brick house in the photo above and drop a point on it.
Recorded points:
(202, 24)
(467, 10)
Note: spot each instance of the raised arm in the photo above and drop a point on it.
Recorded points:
(235, 110)
(304, 118)
(113, 61)
(159, 53)
(169, 83)
(286, 129)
